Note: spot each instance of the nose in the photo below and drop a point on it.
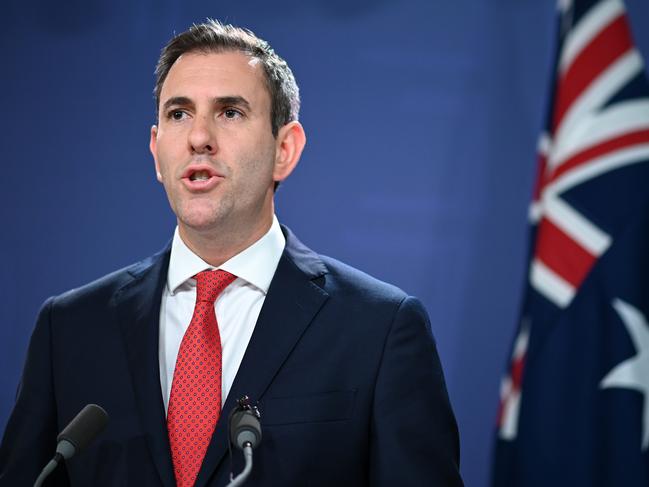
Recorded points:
(202, 139)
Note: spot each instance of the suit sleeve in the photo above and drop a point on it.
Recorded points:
(29, 440)
(414, 437)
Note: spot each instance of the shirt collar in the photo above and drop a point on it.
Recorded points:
(255, 265)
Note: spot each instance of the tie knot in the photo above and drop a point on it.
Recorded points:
(209, 284)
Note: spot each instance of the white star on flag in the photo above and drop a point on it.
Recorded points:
(633, 373)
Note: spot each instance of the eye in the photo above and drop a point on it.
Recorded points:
(176, 114)
(231, 113)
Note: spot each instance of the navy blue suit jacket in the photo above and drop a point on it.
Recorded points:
(344, 368)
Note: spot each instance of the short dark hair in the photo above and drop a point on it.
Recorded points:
(213, 36)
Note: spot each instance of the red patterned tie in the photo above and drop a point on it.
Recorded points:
(195, 399)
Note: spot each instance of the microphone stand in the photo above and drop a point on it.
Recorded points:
(49, 468)
(241, 478)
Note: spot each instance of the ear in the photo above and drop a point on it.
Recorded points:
(154, 151)
(291, 140)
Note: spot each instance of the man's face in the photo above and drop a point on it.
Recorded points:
(213, 147)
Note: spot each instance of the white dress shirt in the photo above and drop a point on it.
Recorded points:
(237, 307)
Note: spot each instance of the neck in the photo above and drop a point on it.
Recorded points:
(217, 245)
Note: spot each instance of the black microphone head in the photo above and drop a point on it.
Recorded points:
(85, 426)
(245, 428)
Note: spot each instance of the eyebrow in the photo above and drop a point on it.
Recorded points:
(176, 100)
(237, 101)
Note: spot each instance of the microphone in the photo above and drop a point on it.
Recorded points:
(85, 426)
(245, 434)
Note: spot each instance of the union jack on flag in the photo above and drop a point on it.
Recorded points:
(574, 405)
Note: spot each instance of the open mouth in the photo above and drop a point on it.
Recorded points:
(200, 176)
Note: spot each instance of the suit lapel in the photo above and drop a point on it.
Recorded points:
(138, 313)
(290, 306)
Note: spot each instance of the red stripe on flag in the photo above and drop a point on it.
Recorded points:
(562, 254)
(540, 176)
(613, 41)
(517, 367)
(598, 150)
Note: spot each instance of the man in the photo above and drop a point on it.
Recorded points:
(343, 367)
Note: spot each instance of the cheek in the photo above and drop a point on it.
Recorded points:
(254, 164)
(164, 158)
(161, 170)
(260, 170)
(265, 160)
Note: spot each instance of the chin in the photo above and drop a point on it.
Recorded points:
(200, 217)
(200, 222)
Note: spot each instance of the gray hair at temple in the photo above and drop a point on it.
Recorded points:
(213, 36)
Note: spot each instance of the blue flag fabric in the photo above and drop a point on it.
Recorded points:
(574, 405)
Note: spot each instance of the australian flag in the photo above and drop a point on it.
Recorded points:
(574, 405)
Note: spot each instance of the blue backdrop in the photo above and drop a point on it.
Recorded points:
(422, 118)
